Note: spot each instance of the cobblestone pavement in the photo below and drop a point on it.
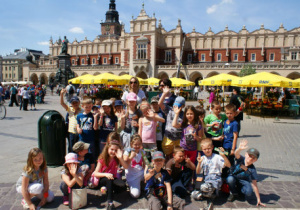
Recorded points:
(278, 167)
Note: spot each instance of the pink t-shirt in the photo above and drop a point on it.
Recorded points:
(149, 131)
(112, 167)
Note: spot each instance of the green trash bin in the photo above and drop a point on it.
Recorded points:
(52, 137)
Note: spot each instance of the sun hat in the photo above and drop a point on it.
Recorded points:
(179, 101)
(71, 158)
(158, 155)
(131, 97)
(254, 152)
(154, 99)
(79, 146)
(106, 103)
(74, 99)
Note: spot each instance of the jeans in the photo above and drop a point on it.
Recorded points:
(179, 185)
(73, 138)
(239, 184)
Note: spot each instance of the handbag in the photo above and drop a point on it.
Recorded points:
(77, 198)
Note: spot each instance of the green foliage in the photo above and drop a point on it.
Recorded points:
(247, 70)
(108, 93)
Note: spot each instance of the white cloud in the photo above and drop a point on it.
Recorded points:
(214, 7)
(43, 43)
(161, 1)
(76, 30)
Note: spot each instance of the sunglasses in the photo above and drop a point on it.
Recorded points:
(135, 82)
(162, 85)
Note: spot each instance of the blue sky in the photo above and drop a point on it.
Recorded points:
(31, 23)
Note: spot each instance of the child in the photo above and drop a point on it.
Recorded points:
(130, 119)
(87, 124)
(108, 122)
(106, 170)
(135, 171)
(98, 102)
(119, 112)
(212, 165)
(71, 175)
(244, 175)
(73, 111)
(192, 131)
(214, 124)
(201, 115)
(172, 134)
(158, 185)
(160, 128)
(85, 159)
(181, 168)
(34, 180)
(147, 127)
(230, 132)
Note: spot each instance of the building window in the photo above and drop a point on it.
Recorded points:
(168, 56)
(104, 60)
(202, 57)
(294, 56)
(235, 57)
(42, 62)
(189, 58)
(14, 75)
(9, 75)
(219, 57)
(5, 68)
(93, 61)
(9, 68)
(142, 51)
(117, 60)
(82, 61)
(73, 62)
(253, 57)
(272, 57)
(50, 62)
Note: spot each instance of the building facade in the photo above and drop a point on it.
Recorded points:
(148, 50)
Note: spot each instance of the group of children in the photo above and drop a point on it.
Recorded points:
(172, 152)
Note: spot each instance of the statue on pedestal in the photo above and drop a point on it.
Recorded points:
(64, 46)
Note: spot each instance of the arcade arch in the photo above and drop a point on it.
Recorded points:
(142, 75)
(162, 75)
(34, 79)
(293, 75)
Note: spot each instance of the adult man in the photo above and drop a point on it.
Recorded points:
(196, 90)
(13, 96)
(1, 92)
(237, 100)
(70, 91)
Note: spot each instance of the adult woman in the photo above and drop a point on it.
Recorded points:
(134, 86)
(237, 100)
(170, 98)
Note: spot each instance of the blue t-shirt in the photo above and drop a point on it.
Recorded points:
(108, 126)
(239, 173)
(169, 101)
(88, 160)
(228, 131)
(86, 123)
(156, 186)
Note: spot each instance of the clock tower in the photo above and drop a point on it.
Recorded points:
(111, 26)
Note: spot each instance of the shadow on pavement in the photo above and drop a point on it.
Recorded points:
(13, 118)
(249, 136)
(18, 136)
(277, 171)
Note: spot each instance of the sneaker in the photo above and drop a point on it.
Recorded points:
(65, 200)
(196, 195)
(110, 206)
(24, 204)
(231, 197)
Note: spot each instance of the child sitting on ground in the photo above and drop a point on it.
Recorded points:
(34, 180)
(86, 160)
(181, 170)
(243, 176)
(212, 165)
(158, 185)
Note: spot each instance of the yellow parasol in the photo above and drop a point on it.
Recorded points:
(218, 80)
(152, 81)
(297, 80)
(178, 82)
(128, 77)
(264, 79)
(105, 78)
(80, 79)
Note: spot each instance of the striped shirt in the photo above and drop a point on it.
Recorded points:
(73, 119)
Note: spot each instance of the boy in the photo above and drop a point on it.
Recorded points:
(212, 165)
(244, 174)
(73, 111)
(172, 135)
(230, 132)
(158, 185)
(87, 123)
(160, 129)
(86, 160)
(181, 170)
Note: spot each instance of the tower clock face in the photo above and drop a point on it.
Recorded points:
(107, 28)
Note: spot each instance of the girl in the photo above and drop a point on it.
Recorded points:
(192, 131)
(135, 172)
(201, 115)
(71, 175)
(119, 112)
(108, 122)
(130, 120)
(212, 97)
(34, 180)
(214, 124)
(147, 127)
(106, 171)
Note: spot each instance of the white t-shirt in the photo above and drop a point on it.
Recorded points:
(140, 96)
(135, 170)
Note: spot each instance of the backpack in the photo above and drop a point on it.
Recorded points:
(71, 90)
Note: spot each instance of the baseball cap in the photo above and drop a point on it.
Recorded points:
(158, 155)
(74, 99)
(71, 158)
(254, 152)
(96, 106)
(154, 99)
(179, 101)
(131, 97)
(106, 103)
(79, 146)
(118, 103)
